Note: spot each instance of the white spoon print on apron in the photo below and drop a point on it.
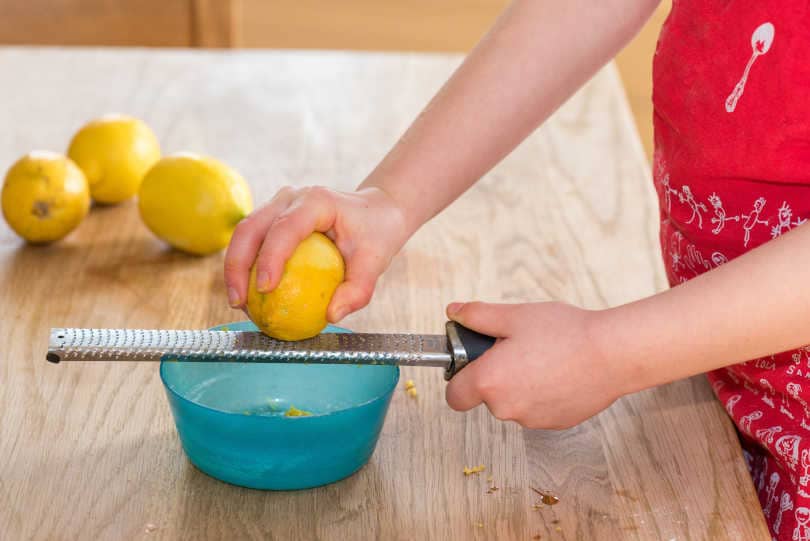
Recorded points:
(761, 41)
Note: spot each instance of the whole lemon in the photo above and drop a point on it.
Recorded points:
(193, 202)
(296, 309)
(45, 196)
(114, 151)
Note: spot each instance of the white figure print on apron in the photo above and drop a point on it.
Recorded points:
(689, 257)
(785, 504)
(686, 196)
(761, 41)
(784, 221)
(718, 259)
(767, 434)
(669, 191)
(752, 219)
(788, 448)
(731, 402)
(802, 531)
(753, 390)
(794, 390)
(805, 478)
(720, 217)
(768, 393)
(770, 494)
(746, 420)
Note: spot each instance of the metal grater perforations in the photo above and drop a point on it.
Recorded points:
(207, 346)
(451, 351)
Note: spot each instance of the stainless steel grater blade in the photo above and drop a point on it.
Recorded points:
(447, 351)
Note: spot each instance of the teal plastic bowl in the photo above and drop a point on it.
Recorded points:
(232, 424)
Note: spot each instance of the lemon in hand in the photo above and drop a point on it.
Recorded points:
(45, 196)
(193, 202)
(114, 151)
(296, 309)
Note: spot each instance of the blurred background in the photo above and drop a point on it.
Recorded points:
(388, 25)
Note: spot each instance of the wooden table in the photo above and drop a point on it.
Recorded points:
(90, 451)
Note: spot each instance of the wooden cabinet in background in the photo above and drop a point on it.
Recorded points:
(150, 23)
(411, 25)
(420, 25)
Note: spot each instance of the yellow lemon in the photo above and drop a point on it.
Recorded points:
(45, 196)
(114, 151)
(193, 202)
(296, 309)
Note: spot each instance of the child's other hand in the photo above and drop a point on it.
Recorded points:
(545, 371)
(367, 226)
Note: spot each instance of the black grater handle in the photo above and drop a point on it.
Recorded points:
(466, 345)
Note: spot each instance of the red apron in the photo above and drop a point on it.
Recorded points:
(732, 171)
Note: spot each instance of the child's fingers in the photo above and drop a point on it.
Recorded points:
(465, 391)
(358, 286)
(476, 382)
(312, 211)
(487, 318)
(480, 382)
(245, 243)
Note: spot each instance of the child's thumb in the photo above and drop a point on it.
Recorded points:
(355, 292)
(485, 318)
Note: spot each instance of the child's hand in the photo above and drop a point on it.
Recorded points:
(545, 371)
(367, 226)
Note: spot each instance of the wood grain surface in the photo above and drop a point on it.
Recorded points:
(214, 23)
(165, 23)
(89, 451)
(399, 25)
(150, 23)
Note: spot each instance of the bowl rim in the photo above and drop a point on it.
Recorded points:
(329, 329)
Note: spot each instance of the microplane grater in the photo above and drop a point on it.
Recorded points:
(451, 351)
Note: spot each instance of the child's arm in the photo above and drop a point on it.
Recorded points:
(536, 55)
(573, 363)
(756, 305)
